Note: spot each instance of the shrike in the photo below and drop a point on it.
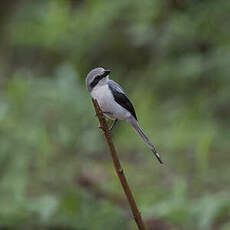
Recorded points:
(113, 102)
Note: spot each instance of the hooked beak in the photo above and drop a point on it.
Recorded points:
(106, 73)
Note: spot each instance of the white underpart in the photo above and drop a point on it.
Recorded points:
(109, 106)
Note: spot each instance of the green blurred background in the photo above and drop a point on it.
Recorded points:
(172, 57)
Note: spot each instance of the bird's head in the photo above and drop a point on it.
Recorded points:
(95, 76)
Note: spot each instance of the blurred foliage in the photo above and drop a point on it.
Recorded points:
(173, 59)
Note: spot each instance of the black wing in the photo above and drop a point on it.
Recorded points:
(121, 98)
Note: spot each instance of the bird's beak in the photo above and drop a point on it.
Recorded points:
(106, 73)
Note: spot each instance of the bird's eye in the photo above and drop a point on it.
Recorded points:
(95, 80)
(97, 77)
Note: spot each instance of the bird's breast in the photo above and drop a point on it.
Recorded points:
(103, 96)
(109, 106)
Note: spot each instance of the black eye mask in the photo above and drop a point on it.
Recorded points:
(96, 80)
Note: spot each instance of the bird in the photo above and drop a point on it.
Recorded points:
(114, 102)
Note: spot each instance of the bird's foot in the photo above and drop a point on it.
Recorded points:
(112, 126)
